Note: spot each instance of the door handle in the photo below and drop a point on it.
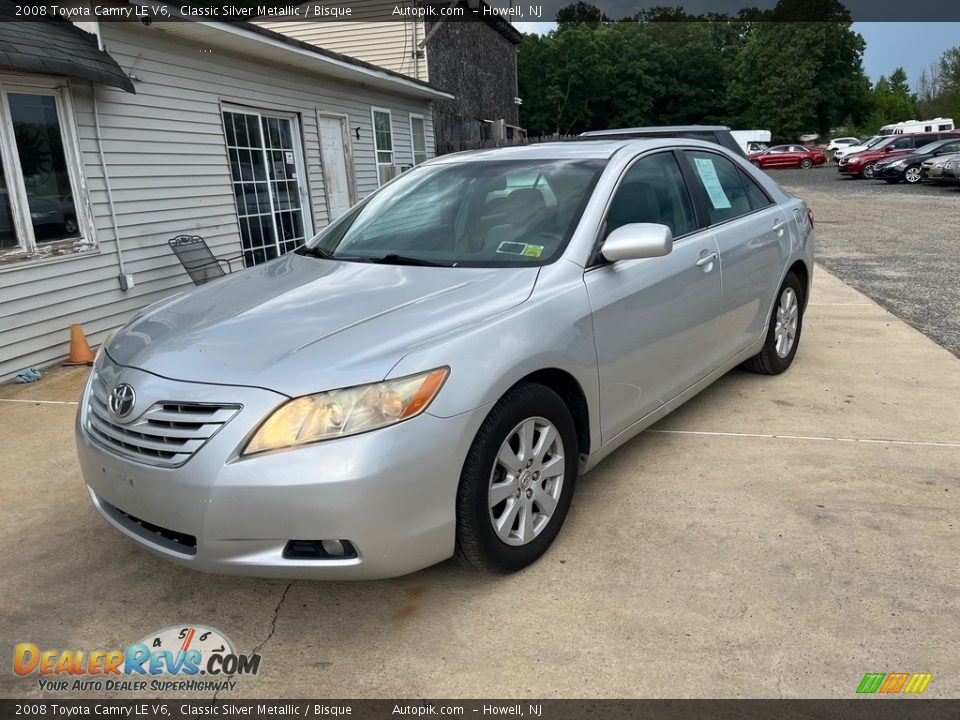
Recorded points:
(707, 259)
(779, 225)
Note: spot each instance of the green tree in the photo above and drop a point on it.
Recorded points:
(792, 78)
(892, 101)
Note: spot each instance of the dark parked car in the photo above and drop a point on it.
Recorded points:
(908, 168)
(862, 164)
(719, 134)
(788, 156)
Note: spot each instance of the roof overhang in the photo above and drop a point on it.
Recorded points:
(254, 41)
(58, 48)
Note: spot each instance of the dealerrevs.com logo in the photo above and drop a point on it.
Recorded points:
(184, 658)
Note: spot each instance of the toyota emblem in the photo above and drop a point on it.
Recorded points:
(122, 399)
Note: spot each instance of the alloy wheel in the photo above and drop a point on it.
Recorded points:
(868, 170)
(785, 332)
(526, 481)
(912, 174)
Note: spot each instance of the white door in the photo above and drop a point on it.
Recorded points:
(336, 177)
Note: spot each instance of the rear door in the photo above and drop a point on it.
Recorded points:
(656, 320)
(751, 231)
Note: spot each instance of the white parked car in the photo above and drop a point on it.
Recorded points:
(865, 145)
(844, 142)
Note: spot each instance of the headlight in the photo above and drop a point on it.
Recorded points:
(339, 413)
(898, 163)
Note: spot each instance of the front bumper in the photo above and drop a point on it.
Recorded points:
(390, 492)
(888, 173)
(849, 169)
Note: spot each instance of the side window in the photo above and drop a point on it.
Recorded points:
(755, 194)
(721, 184)
(653, 191)
(902, 144)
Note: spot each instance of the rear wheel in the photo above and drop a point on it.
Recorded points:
(783, 333)
(912, 174)
(517, 481)
(806, 163)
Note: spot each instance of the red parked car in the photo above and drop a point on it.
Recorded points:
(788, 156)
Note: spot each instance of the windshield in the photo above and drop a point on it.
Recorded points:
(928, 148)
(875, 140)
(476, 214)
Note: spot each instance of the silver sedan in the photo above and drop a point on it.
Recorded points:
(429, 375)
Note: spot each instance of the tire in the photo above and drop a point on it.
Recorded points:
(770, 361)
(479, 545)
(867, 171)
(755, 163)
(911, 175)
(806, 163)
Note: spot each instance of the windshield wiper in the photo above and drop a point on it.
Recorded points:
(316, 251)
(394, 259)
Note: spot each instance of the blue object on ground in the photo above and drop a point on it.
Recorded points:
(28, 376)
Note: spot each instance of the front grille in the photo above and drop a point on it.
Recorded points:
(167, 434)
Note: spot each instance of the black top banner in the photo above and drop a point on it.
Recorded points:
(865, 709)
(148, 11)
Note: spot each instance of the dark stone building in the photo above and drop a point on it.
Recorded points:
(477, 63)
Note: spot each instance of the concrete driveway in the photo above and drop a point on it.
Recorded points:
(774, 537)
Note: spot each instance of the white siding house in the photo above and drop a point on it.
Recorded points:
(162, 164)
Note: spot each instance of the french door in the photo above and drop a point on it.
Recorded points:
(269, 182)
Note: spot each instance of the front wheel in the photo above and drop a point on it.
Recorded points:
(912, 174)
(517, 481)
(783, 333)
(806, 163)
(867, 171)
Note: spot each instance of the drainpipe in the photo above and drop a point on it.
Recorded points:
(124, 280)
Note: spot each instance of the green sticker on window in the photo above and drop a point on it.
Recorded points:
(519, 248)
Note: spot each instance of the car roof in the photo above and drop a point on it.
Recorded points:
(594, 150)
(656, 129)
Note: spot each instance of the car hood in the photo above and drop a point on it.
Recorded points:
(300, 325)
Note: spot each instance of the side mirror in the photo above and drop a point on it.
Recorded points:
(636, 241)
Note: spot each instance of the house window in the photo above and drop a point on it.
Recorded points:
(383, 144)
(38, 169)
(418, 139)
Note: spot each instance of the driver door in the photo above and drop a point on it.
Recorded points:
(656, 320)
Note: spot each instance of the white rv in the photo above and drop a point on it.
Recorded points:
(918, 126)
(751, 140)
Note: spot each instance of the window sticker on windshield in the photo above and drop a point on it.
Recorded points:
(519, 248)
(711, 183)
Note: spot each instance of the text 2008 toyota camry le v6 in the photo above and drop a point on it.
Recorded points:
(430, 373)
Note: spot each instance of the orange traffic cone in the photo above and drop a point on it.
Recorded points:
(80, 352)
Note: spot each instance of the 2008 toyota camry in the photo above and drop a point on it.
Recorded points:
(429, 374)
